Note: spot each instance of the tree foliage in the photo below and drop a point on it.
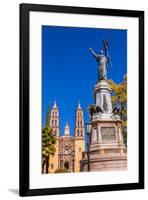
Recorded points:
(48, 116)
(119, 100)
(48, 146)
(48, 143)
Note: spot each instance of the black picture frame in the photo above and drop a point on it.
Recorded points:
(24, 189)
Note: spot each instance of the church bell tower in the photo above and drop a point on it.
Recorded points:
(54, 124)
(79, 137)
(54, 119)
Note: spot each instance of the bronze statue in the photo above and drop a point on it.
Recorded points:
(102, 61)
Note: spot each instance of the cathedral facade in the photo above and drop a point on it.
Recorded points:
(68, 148)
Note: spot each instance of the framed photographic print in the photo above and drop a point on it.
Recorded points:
(81, 99)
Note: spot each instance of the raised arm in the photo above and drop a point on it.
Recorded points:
(106, 45)
(93, 53)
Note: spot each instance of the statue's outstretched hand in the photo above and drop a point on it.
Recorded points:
(90, 49)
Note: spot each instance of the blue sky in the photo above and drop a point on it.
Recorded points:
(69, 71)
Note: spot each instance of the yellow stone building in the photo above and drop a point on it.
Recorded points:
(68, 148)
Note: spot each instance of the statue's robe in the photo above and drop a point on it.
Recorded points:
(102, 67)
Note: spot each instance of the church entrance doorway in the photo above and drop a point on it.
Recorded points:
(66, 165)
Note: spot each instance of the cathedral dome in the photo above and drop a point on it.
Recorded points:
(67, 130)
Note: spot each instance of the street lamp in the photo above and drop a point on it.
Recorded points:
(88, 131)
(88, 127)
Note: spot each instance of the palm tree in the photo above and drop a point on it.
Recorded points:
(48, 147)
(48, 142)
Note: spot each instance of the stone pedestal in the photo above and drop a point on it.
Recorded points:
(102, 96)
(107, 150)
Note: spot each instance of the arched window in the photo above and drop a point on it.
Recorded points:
(55, 132)
(55, 122)
(77, 132)
(81, 133)
(78, 123)
(81, 123)
(52, 123)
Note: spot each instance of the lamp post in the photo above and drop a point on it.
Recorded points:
(88, 131)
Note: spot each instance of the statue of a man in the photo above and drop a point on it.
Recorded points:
(102, 61)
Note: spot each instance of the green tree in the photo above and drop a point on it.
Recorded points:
(48, 142)
(48, 116)
(48, 146)
(119, 100)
